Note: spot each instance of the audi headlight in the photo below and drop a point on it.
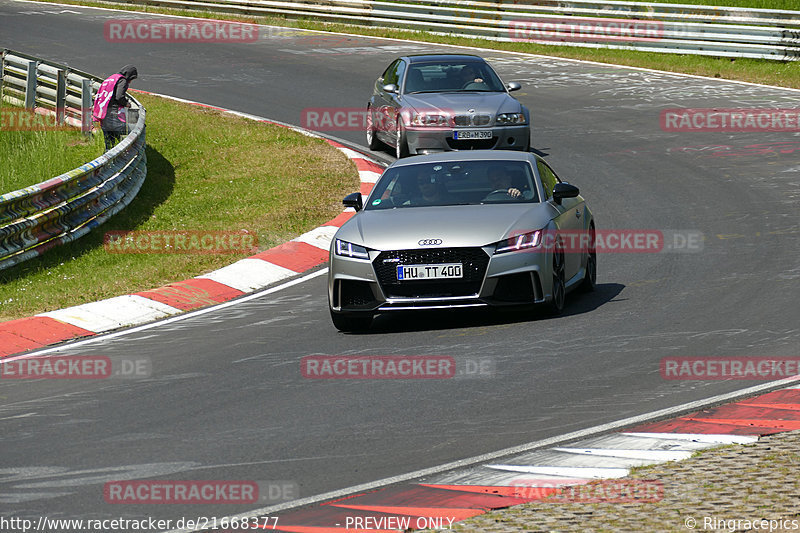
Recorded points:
(511, 118)
(348, 249)
(430, 119)
(523, 241)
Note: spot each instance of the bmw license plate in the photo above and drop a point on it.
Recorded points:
(416, 272)
(472, 134)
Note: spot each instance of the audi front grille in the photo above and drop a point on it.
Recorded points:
(474, 261)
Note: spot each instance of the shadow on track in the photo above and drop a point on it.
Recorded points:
(577, 304)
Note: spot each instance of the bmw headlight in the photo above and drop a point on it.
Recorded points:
(523, 241)
(511, 118)
(348, 249)
(430, 119)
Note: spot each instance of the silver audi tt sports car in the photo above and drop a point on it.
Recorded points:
(436, 103)
(461, 229)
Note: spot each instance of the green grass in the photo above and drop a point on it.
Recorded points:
(765, 71)
(31, 157)
(207, 171)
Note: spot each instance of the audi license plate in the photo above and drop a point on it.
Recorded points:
(472, 134)
(415, 272)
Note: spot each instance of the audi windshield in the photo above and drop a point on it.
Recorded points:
(457, 183)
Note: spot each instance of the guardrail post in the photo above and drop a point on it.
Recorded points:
(61, 96)
(86, 106)
(30, 87)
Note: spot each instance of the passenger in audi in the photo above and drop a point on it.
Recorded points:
(431, 187)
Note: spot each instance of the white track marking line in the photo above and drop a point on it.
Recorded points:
(190, 314)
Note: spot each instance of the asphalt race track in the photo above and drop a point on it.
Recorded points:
(226, 400)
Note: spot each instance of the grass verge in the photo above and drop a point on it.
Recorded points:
(207, 171)
(30, 157)
(765, 71)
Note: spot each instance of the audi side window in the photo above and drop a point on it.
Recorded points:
(553, 173)
(549, 178)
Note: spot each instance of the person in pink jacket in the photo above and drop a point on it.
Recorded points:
(111, 102)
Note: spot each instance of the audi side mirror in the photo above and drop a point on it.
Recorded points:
(513, 86)
(564, 190)
(354, 200)
(390, 88)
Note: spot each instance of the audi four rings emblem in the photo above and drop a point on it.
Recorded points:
(429, 242)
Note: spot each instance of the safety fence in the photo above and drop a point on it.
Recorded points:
(655, 27)
(64, 208)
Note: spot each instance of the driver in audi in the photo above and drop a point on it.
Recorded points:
(499, 180)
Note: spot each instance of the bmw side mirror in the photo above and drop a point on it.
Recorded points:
(354, 200)
(513, 86)
(564, 190)
(390, 88)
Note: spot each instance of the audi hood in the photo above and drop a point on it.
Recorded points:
(456, 226)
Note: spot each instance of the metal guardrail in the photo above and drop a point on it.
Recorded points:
(64, 208)
(654, 27)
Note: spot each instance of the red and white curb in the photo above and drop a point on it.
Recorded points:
(299, 255)
(440, 500)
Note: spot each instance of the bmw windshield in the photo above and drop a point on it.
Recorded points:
(451, 77)
(456, 183)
